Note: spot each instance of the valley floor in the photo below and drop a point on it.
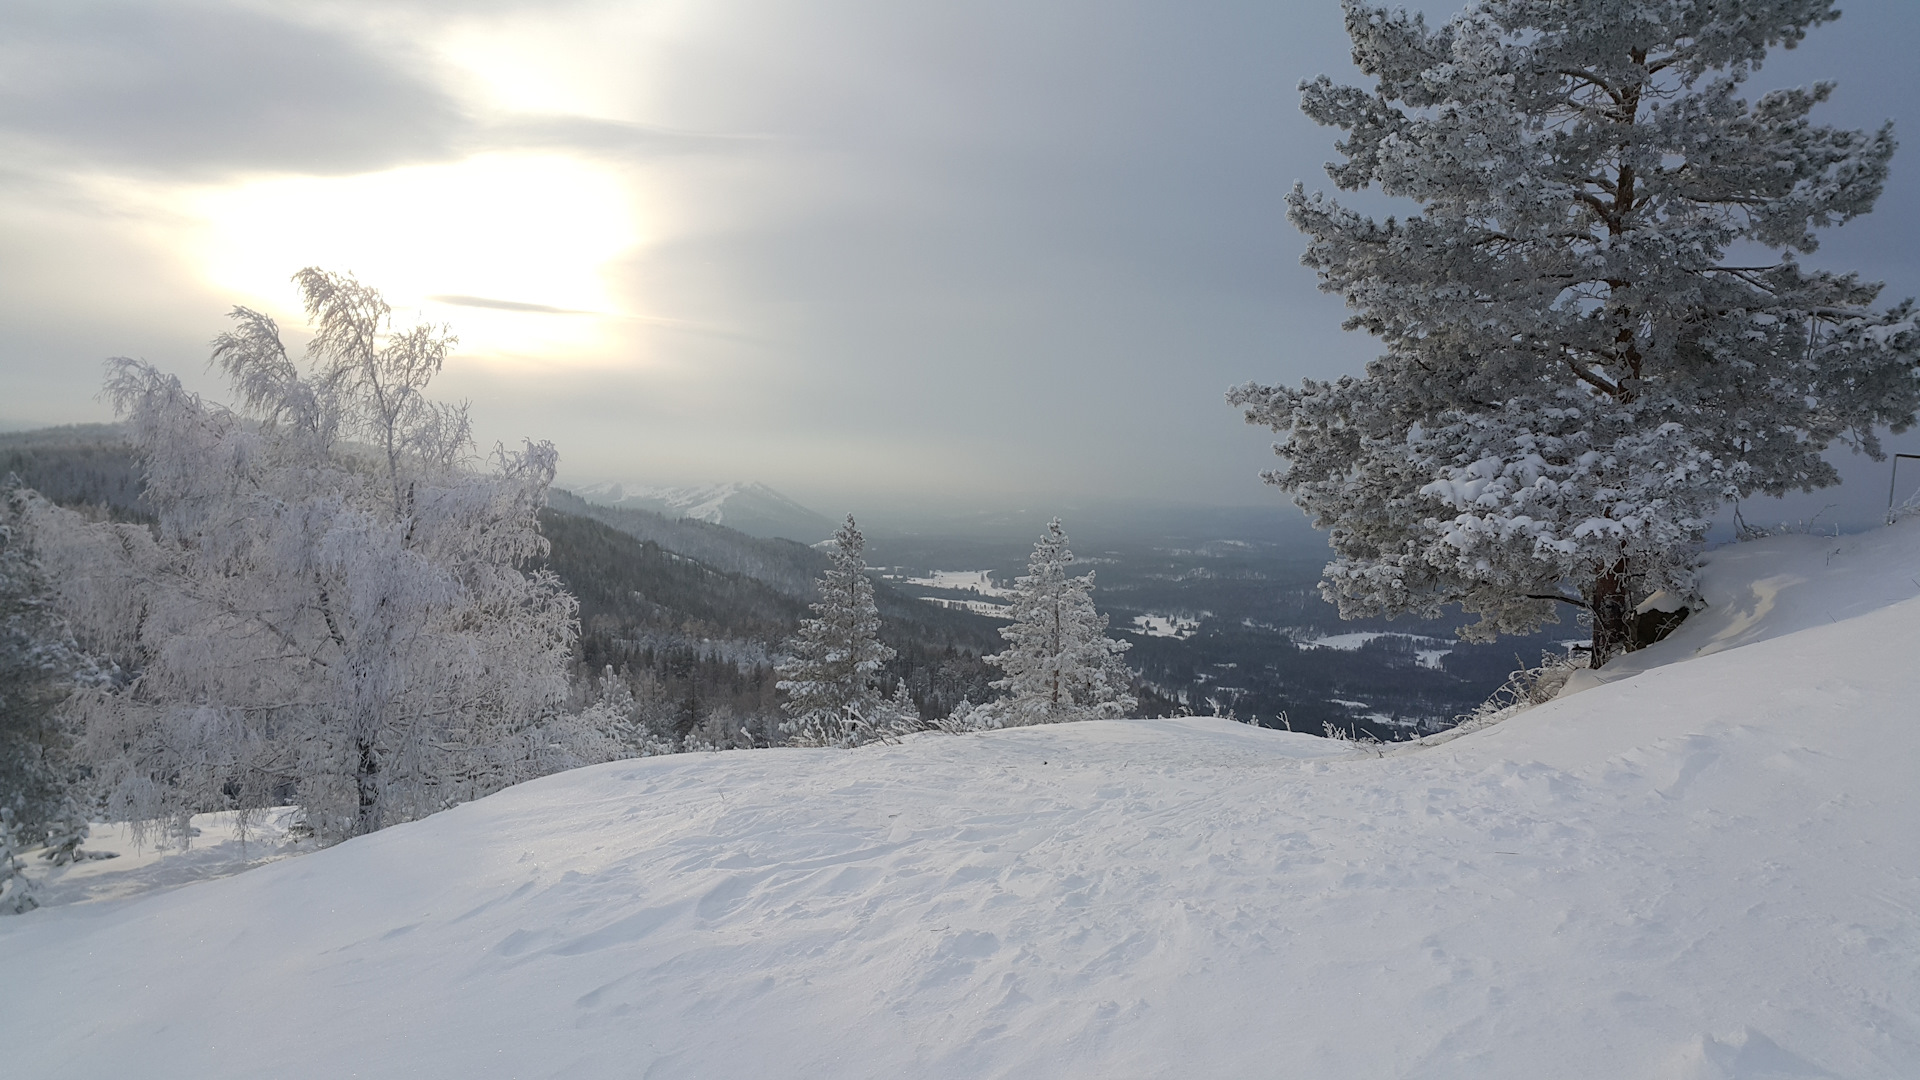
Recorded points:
(1708, 870)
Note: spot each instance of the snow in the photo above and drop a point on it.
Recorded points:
(1427, 658)
(217, 849)
(702, 502)
(990, 608)
(1347, 642)
(1173, 626)
(980, 581)
(977, 581)
(1759, 591)
(1707, 871)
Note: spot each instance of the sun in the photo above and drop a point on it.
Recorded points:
(511, 248)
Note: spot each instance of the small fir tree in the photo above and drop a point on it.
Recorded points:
(1589, 347)
(830, 675)
(903, 713)
(1059, 664)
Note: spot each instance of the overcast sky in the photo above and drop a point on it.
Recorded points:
(972, 253)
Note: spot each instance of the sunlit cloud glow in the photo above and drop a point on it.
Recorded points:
(511, 247)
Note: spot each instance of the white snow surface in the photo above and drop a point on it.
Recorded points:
(1173, 626)
(1709, 871)
(980, 581)
(124, 866)
(1353, 642)
(992, 609)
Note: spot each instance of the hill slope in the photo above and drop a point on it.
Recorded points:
(754, 509)
(1708, 870)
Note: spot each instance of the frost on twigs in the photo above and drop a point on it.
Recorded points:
(1584, 358)
(1524, 688)
(330, 610)
(968, 717)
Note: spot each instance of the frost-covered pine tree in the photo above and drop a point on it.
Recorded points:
(902, 713)
(16, 888)
(830, 676)
(1060, 663)
(634, 729)
(1597, 329)
(41, 666)
(330, 610)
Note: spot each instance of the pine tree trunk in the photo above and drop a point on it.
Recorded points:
(1612, 611)
(367, 779)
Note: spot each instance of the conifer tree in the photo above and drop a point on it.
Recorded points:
(16, 888)
(830, 678)
(1597, 330)
(40, 667)
(902, 713)
(1059, 663)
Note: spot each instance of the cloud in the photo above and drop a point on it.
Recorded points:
(594, 135)
(508, 305)
(196, 89)
(200, 89)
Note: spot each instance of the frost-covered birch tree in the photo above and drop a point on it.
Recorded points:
(831, 675)
(1060, 664)
(1597, 328)
(330, 609)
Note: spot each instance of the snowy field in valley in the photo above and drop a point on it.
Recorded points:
(991, 609)
(1709, 870)
(980, 581)
(1173, 626)
(1430, 656)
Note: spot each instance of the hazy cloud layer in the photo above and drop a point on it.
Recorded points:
(193, 88)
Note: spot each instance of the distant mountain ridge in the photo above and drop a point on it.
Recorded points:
(751, 508)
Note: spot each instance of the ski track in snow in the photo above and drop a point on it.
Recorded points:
(1708, 871)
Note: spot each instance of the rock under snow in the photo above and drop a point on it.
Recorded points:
(1765, 589)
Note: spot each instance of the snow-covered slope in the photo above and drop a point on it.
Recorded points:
(1764, 590)
(1710, 870)
(754, 509)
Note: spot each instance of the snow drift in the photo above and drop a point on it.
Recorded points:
(1707, 870)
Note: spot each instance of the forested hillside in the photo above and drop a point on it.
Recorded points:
(77, 465)
(703, 608)
(690, 614)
